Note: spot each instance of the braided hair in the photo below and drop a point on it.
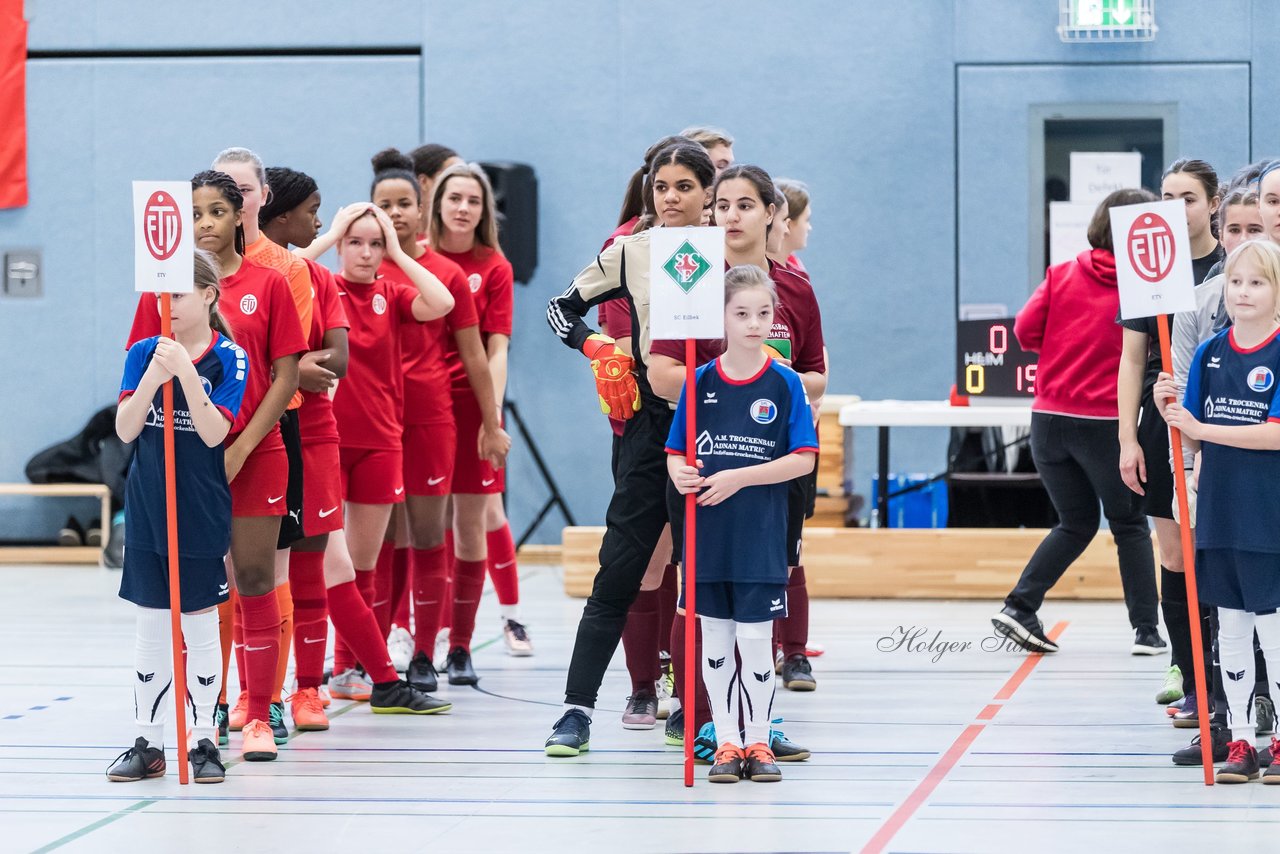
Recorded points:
(289, 188)
(226, 186)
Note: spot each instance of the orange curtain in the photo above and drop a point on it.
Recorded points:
(13, 105)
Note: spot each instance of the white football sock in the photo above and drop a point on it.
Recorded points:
(153, 674)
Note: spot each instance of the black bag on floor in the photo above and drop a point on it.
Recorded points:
(94, 455)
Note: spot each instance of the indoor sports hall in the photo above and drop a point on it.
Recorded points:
(916, 492)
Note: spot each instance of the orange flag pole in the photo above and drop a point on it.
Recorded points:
(691, 663)
(175, 593)
(1189, 564)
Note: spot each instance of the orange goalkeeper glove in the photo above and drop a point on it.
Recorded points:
(615, 383)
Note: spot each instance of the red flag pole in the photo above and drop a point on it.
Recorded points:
(1189, 564)
(175, 594)
(692, 664)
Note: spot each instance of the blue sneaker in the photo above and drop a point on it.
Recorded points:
(705, 745)
(571, 735)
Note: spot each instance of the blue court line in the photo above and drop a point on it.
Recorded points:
(35, 709)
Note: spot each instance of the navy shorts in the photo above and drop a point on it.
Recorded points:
(742, 601)
(145, 580)
(1240, 580)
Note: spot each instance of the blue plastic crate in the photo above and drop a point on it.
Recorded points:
(925, 507)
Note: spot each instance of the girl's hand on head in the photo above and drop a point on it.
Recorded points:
(345, 216)
(721, 486)
(388, 229)
(313, 376)
(1133, 466)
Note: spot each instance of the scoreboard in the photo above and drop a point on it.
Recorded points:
(989, 362)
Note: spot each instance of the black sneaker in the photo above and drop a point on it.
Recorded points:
(402, 698)
(1188, 717)
(761, 767)
(206, 763)
(1023, 628)
(458, 669)
(1272, 774)
(1147, 641)
(728, 764)
(220, 721)
(1265, 755)
(1190, 755)
(797, 673)
(71, 534)
(673, 732)
(570, 735)
(142, 761)
(279, 732)
(1264, 713)
(1242, 763)
(784, 749)
(422, 673)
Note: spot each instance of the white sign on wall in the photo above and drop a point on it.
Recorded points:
(163, 237)
(1069, 229)
(1153, 259)
(686, 283)
(1095, 175)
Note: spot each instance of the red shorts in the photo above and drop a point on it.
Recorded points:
(472, 475)
(321, 488)
(372, 476)
(428, 458)
(259, 489)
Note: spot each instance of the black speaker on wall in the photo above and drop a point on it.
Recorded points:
(515, 193)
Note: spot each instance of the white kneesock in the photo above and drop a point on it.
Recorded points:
(1235, 654)
(1268, 626)
(153, 674)
(719, 675)
(755, 647)
(204, 673)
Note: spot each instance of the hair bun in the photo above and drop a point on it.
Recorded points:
(391, 158)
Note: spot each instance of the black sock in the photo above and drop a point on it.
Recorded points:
(1173, 604)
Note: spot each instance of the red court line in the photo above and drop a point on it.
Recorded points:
(989, 712)
(938, 772)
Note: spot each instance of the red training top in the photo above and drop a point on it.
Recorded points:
(491, 283)
(315, 418)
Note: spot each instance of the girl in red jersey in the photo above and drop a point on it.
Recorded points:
(320, 568)
(260, 311)
(799, 222)
(428, 162)
(463, 227)
(434, 440)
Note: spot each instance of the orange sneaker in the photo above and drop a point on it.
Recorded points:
(259, 744)
(238, 713)
(308, 711)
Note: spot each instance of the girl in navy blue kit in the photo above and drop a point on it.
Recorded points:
(209, 373)
(755, 434)
(1231, 414)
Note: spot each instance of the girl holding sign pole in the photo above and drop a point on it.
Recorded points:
(1231, 414)
(208, 372)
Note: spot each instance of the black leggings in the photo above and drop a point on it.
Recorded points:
(1079, 463)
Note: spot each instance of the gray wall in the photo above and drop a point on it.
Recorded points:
(858, 99)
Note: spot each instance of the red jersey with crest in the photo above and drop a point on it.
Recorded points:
(315, 419)
(259, 307)
(369, 399)
(423, 348)
(491, 283)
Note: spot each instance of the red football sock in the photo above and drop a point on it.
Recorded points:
(701, 706)
(310, 616)
(354, 622)
(384, 572)
(261, 650)
(429, 584)
(669, 593)
(400, 585)
(502, 565)
(468, 584)
(284, 598)
(226, 618)
(640, 642)
(237, 641)
(794, 629)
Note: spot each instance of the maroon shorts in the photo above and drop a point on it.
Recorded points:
(428, 458)
(472, 475)
(372, 475)
(322, 488)
(261, 486)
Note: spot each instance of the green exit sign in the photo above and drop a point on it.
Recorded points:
(1102, 13)
(1107, 20)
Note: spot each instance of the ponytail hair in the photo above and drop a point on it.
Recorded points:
(390, 165)
(208, 275)
(633, 200)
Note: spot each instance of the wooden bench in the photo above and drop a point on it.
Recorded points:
(59, 554)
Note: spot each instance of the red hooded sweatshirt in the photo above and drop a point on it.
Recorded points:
(1070, 321)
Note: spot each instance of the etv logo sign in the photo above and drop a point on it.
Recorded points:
(162, 226)
(1151, 247)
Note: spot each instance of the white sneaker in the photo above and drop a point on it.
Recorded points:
(666, 682)
(517, 639)
(441, 650)
(350, 685)
(400, 648)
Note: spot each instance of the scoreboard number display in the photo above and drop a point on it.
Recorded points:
(989, 362)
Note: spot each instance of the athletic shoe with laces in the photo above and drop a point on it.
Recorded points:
(236, 717)
(1265, 755)
(642, 711)
(1264, 713)
(401, 698)
(458, 669)
(1147, 641)
(516, 637)
(705, 745)
(206, 763)
(1023, 628)
(259, 745)
(279, 731)
(571, 735)
(1176, 706)
(784, 749)
(1272, 774)
(307, 711)
(1188, 717)
(761, 766)
(665, 688)
(422, 673)
(797, 674)
(350, 685)
(727, 767)
(220, 721)
(1172, 688)
(400, 648)
(1242, 763)
(142, 761)
(673, 732)
(1190, 755)
(325, 701)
